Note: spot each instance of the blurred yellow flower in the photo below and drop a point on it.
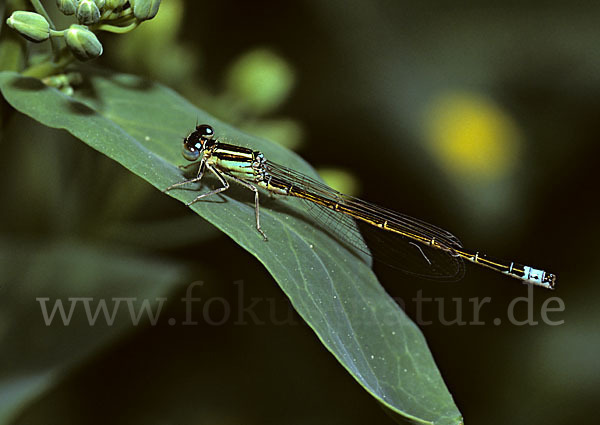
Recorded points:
(471, 136)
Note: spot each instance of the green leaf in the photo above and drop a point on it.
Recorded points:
(140, 125)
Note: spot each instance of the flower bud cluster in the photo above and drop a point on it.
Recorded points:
(109, 15)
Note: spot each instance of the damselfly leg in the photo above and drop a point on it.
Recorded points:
(221, 189)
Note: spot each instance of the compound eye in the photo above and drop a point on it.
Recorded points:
(205, 131)
(191, 148)
(190, 154)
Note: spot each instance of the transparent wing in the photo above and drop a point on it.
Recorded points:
(397, 251)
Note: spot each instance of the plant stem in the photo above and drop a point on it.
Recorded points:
(116, 29)
(45, 69)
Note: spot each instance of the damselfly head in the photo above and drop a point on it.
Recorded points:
(197, 141)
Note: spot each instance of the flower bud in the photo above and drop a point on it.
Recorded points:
(88, 13)
(83, 43)
(100, 3)
(145, 9)
(30, 25)
(67, 7)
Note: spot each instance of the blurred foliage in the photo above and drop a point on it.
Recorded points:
(145, 49)
(398, 84)
(261, 79)
(340, 180)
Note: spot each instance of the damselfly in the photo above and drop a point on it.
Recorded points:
(432, 252)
